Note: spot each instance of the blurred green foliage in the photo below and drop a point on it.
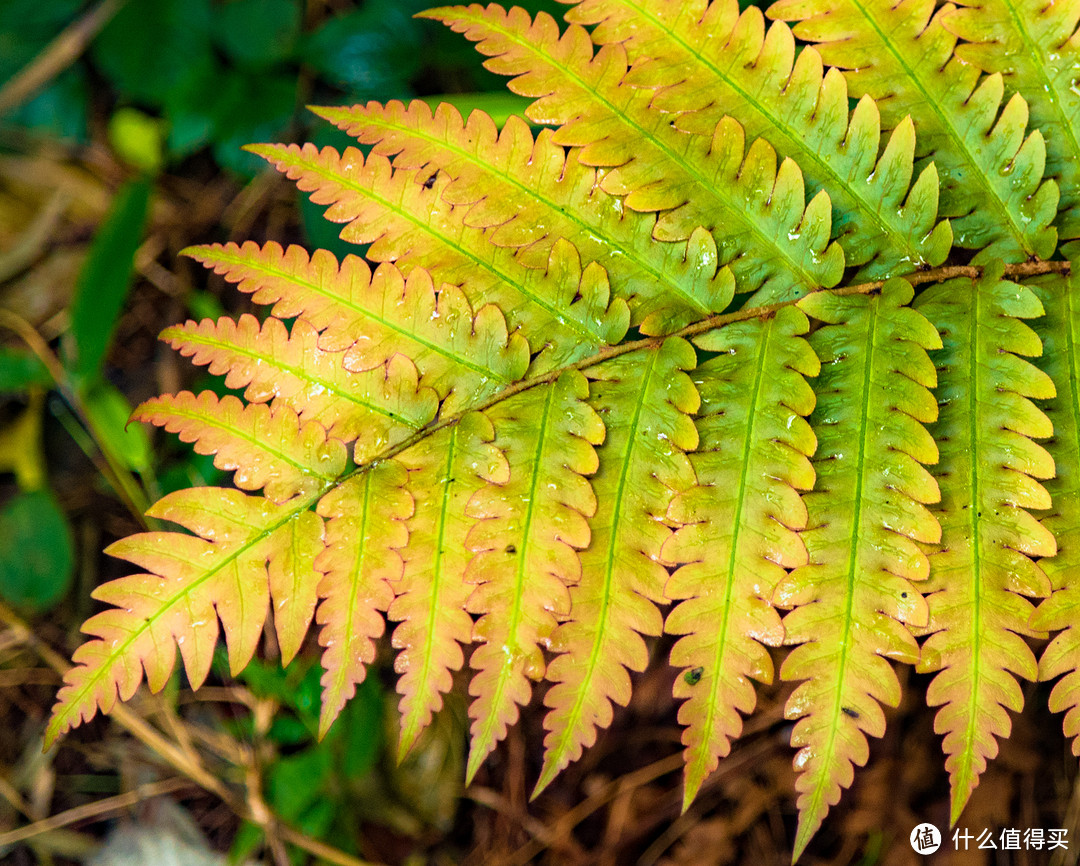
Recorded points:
(21, 370)
(36, 553)
(103, 282)
(223, 73)
(26, 27)
(329, 788)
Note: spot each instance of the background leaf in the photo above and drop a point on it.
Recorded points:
(373, 51)
(149, 48)
(21, 370)
(36, 556)
(258, 33)
(104, 280)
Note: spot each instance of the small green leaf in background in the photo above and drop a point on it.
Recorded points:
(192, 470)
(296, 782)
(20, 445)
(204, 305)
(252, 108)
(36, 555)
(246, 842)
(500, 105)
(137, 138)
(26, 27)
(58, 110)
(227, 109)
(107, 411)
(305, 786)
(362, 732)
(21, 370)
(190, 110)
(103, 282)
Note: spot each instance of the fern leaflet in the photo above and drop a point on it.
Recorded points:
(981, 574)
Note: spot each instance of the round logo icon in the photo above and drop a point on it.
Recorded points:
(925, 839)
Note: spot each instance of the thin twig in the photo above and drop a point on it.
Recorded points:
(12, 677)
(565, 824)
(32, 242)
(319, 849)
(57, 56)
(496, 802)
(96, 809)
(35, 343)
(10, 793)
(108, 465)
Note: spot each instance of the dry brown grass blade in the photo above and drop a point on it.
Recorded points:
(34, 240)
(97, 809)
(57, 55)
(182, 760)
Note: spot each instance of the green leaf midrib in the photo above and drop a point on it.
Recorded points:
(990, 196)
(464, 360)
(360, 547)
(720, 646)
(215, 420)
(408, 721)
(194, 337)
(295, 555)
(825, 167)
(517, 285)
(828, 767)
(965, 773)
(490, 721)
(600, 626)
(733, 210)
(1070, 318)
(571, 214)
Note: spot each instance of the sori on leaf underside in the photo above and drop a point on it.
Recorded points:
(712, 354)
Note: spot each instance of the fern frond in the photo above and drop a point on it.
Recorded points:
(365, 530)
(528, 194)
(465, 356)
(445, 472)
(646, 400)
(738, 527)
(458, 433)
(222, 570)
(378, 203)
(526, 541)
(270, 450)
(986, 474)
(375, 408)
(706, 60)
(1060, 331)
(854, 600)
(902, 55)
(775, 244)
(1033, 45)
